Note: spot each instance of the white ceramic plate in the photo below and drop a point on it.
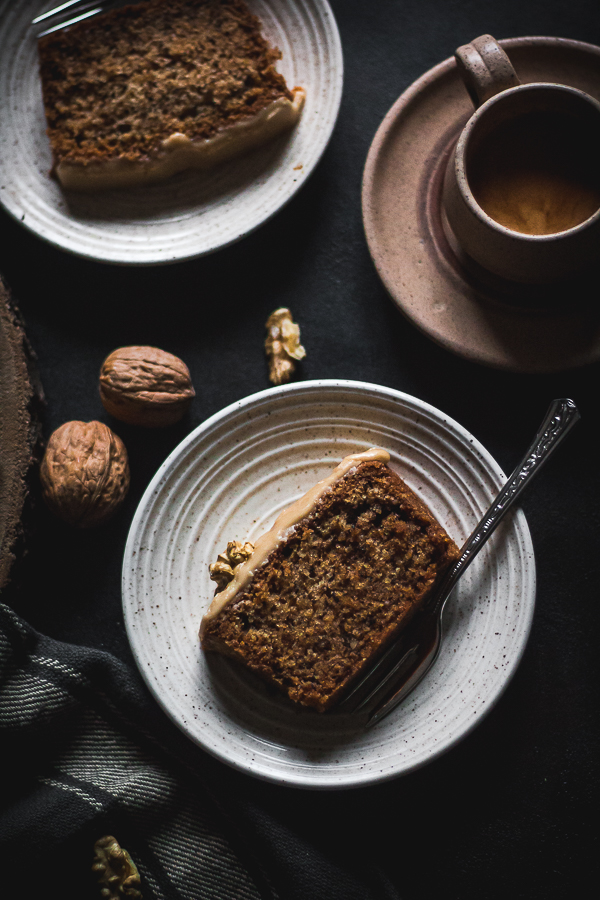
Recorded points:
(193, 213)
(228, 480)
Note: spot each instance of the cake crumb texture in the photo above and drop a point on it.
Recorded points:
(332, 595)
(118, 85)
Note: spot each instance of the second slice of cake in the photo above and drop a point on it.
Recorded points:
(336, 579)
(144, 91)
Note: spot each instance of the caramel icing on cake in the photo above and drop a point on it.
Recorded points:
(141, 92)
(283, 524)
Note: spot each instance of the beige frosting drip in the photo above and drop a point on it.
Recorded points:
(179, 152)
(285, 520)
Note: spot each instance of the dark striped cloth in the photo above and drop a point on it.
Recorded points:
(78, 761)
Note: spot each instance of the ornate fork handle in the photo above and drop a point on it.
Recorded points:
(562, 415)
(414, 664)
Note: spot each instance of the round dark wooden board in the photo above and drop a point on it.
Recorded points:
(21, 402)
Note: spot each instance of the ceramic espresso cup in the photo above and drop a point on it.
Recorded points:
(522, 187)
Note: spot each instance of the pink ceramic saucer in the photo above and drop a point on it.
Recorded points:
(454, 302)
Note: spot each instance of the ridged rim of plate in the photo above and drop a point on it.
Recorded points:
(227, 480)
(192, 214)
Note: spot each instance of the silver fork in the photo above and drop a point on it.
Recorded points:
(84, 9)
(405, 664)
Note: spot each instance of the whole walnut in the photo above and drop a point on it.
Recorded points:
(84, 473)
(145, 386)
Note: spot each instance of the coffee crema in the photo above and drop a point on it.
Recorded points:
(537, 174)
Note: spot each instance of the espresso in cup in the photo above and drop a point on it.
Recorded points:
(522, 186)
(538, 173)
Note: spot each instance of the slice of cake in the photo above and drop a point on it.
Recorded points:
(139, 93)
(335, 580)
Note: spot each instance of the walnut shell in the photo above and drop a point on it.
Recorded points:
(84, 473)
(145, 386)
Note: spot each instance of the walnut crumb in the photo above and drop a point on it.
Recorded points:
(282, 345)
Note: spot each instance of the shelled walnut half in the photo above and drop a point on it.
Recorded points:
(116, 871)
(282, 345)
(84, 473)
(145, 386)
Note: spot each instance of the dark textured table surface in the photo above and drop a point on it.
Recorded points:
(512, 810)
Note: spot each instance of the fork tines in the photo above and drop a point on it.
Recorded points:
(80, 10)
(393, 673)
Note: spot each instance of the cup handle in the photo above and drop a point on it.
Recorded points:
(485, 68)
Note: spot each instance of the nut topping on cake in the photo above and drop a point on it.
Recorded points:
(222, 571)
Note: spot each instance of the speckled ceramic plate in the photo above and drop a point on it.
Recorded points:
(193, 213)
(228, 480)
(525, 328)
